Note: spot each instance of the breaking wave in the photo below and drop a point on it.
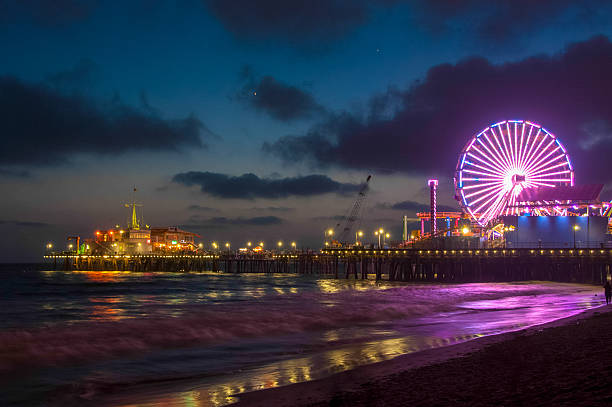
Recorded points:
(264, 317)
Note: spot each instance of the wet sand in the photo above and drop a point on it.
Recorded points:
(567, 362)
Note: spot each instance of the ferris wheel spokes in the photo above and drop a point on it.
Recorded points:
(503, 160)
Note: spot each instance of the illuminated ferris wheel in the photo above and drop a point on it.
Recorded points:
(504, 159)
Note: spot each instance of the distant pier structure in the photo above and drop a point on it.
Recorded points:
(586, 266)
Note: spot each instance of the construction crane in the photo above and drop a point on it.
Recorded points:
(349, 221)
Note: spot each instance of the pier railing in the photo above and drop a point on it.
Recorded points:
(589, 266)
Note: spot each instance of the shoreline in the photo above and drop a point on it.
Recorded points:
(389, 382)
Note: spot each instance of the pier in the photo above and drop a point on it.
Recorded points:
(586, 266)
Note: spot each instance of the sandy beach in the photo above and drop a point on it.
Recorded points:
(567, 362)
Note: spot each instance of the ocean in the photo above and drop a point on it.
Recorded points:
(198, 339)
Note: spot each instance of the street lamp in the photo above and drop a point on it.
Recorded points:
(214, 245)
(249, 244)
(328, 232)
(387, 235)
(49, 246)
(293, 245)
(576, 227)
(505, 230)
(227, 245)
(280, 244)
(379, 233)
(358, 234)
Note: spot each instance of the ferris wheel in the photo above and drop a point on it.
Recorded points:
(504, 159)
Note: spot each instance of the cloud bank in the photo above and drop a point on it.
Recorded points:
(423, 128)
(43, 126)
(250, 186)
(294, 21)
(277, 99)
(317, 23)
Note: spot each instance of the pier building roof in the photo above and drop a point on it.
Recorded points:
(576, 193)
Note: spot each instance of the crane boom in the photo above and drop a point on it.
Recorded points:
(349, 221)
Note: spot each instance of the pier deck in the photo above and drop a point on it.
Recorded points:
(588, 266)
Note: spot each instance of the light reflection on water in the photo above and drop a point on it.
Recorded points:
(469, 320)
(104, 308)
(292, 371)
(246, 332)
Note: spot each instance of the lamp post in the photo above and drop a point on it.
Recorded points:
(576, 227)
(387, 235)
(293, 245)
(280, 244)
(379, 233)
(358, 234)
(505, 231)
(328, 232)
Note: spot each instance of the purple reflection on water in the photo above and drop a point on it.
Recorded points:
(397, 320)
(205, 337)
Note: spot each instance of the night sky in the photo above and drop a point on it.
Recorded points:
(257, 120)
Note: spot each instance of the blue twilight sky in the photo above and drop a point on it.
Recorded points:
(259, 119)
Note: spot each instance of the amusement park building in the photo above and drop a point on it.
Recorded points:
(120, 241)
(172, 238)
(137, 238)
(514, 182)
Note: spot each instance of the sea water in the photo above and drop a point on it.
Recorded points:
(184, 339)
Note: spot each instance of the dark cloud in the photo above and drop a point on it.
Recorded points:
(250, 186)
(199, 208)
(45, 126)
(279, 100)
(316, 23)
(220, 222)
(313, 22)
(431, 121)
(509, 20)
(412, 206)
(45, 12)
(273, 209)
(28, 224)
